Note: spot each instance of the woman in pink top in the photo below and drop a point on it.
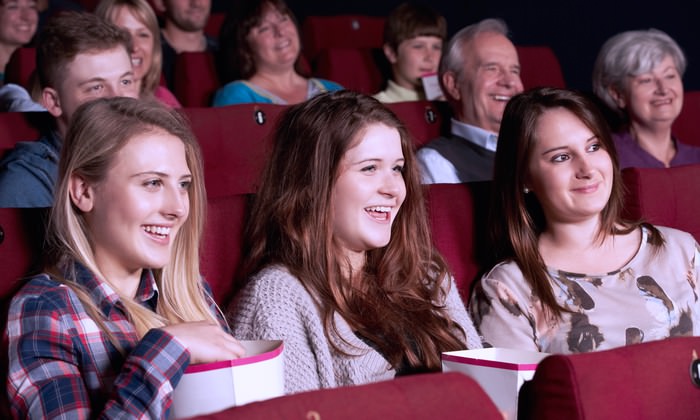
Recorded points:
(137, 17)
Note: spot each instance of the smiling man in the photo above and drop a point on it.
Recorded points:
(80, 57)
(479, 73)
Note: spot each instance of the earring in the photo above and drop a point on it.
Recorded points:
(526, 190)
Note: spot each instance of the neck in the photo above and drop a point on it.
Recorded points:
(656, 140)
(565, 236)
(183, 41)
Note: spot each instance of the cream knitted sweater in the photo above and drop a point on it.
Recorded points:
(275, 305)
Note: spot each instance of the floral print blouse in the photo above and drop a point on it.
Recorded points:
(654, 296)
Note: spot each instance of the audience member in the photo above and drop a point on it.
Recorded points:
(108, 330)
(638, 74)
(413, 37)
(260, 56)
(342, 265)
(183, 31)
(137, 17)
(575, 277)
(18, 20)
(80, 57)
(479, 73)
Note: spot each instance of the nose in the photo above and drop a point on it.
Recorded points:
(392, 184)
(584, 169)
(175, 203)
(660, 85)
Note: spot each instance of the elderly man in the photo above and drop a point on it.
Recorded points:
(479, 73)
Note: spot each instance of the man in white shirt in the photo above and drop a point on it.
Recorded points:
(479, 73)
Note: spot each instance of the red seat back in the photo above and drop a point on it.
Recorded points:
(222, 243)
(21, 245)
(195, 78)
(458, 214)
(668, 197)
(430, 396)
(353, 68)
(686, 126)
(213, 27)
(423, 119)
(341, 31)
(640, 381)
(21, 126)
(21, 66)
(235, 142)
(539, 66)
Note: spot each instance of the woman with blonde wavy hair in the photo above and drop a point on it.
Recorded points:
(341, 265)
(138, 18)
(121, 310)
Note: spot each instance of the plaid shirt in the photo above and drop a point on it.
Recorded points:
(63, 366)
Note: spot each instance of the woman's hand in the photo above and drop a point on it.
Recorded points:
(206, 342)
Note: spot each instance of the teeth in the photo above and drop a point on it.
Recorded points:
(379, 209)
(136, 61)
(158, 230)
(501, 98)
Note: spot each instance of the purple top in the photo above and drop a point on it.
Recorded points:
(631, 155)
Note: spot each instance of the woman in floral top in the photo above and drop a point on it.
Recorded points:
(573, 275)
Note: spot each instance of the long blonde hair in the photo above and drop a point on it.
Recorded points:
(98, 131)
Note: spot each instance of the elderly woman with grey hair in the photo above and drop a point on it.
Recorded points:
(638, 74)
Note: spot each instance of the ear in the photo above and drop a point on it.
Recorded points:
(618, 97)
(449, 84)
(49, 98)
(81, 193)
(390, 54)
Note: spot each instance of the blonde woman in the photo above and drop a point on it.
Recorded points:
(137, 18)
(120, 311)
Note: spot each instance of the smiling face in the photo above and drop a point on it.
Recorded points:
(369, 191)
(188, 15)
(136, 212)
(275, 41)
(655, 97)
(569, 171)
(18, 20)
(489, 78)
(414, 58)
(142, 38)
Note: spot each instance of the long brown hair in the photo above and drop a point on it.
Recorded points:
(516, 218)
(392, 302)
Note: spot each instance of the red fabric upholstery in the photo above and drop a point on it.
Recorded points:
(457, 215)
(341, 31)
(21, 243)
(640, 381)
(354, 68)
(423, 119)
(20, 67)
(21, 126)
(195, 78)
(234, 145)
(429, 396)
(216, 19)
(539, 66)
(222, 244)
(686, 126)
(668, 197)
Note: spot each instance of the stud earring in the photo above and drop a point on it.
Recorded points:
(526, 190)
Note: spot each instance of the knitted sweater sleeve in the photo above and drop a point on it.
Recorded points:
(458, 313)
(275, 306)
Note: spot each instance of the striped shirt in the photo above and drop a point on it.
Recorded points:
(62, 365)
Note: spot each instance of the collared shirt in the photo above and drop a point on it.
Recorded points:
(397, 93)
(61, 363)
(466, 156)
(631, 154)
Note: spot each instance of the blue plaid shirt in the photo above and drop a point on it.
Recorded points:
(62, 365)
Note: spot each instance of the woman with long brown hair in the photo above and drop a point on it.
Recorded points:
(341, 265)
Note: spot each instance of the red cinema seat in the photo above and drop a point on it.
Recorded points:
(448, 396)
(214, 23)
(354, 68)
(21, 246)
(664, 196)
(235, 142)
(423, 119)
(687, 125)
(341, 31)
(458, 215)
(21, 126)
(21, 66)
(641, 381)
(195, 78)
(539, 66)
(222, 243)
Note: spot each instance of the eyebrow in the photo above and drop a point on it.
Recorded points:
(102, 79)
(554, 149)
(375, 160)
(160, 174)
